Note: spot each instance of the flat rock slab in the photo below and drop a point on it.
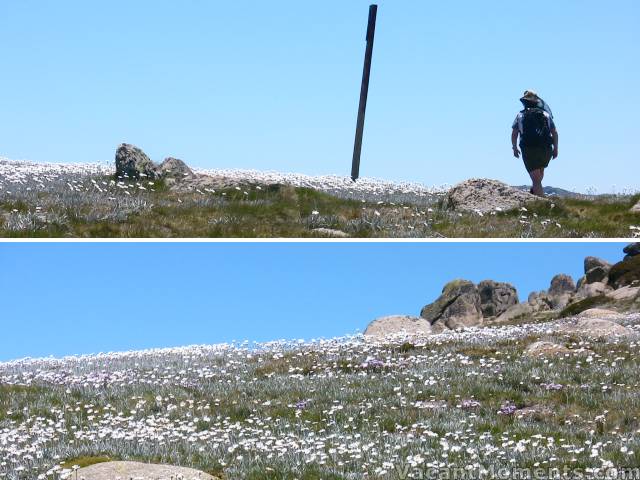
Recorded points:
(139, 471)
(600, 313)
(624, 293)
(599, 328)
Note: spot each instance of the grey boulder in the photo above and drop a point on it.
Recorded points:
(174, 168)
(485, 195)
(397, 325)
(496, 297)
(132, 162)
(457, 307)
(596, 269)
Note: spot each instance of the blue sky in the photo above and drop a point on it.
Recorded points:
(274, 85)
(60, 299)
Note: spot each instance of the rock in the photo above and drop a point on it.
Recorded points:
(545, 349)
(516, 311)
(496, 297)
(601, 313)
(457, 307)
(174, 168)
(534, 411)
(540, 301)
(598, 328)
(133, 162)
(632, 249)
(127, 470)
(484, 195)
(595, 289)
(561, 284)
(625, 273)
(397, 325)
(597, 274)
(596, 269)
(624, 293)
(635, 208)
(330, 232)
(561, 290)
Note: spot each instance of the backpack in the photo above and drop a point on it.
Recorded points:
(535, 128)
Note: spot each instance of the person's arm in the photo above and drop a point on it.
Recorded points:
(514, 142)
(554, 134)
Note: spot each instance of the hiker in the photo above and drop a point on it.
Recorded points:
(538, 138)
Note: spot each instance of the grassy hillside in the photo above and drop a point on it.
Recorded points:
(90, 203)
(334, 409)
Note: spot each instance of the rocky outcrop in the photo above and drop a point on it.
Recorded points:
(132, 162)
(496, 297)
(560, 291)
(596, 270)
(632, 249)
(626, 273)
(397, 325)
(635, 208)
(457, 307)
(484, 195)
(624, 293)
(588, 290)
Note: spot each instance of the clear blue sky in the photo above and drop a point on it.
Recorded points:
(274, 85)
(60, 299)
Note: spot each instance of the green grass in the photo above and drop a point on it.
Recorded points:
(285, 211)
(582, 305)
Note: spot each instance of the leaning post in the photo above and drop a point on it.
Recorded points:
(364, 92)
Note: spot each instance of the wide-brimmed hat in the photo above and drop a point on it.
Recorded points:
(530, 96)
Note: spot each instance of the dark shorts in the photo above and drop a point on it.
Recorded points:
(536, 157)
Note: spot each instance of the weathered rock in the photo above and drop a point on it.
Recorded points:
(330, 232)
(540, 301)
(625, 273)
(632, 249)
(635, 208)
(588, 290)
(593, 262)
(598, 328)
(126, 470)
(484, 195)
(174, 168)
(516, 311)
(561, 284)
(601, 313)
(132, 162)
(624, 293)
(397, 325)
(597, 274)
(596, 269)
(457, 307)
(545, 349)
(561, 290)
(534, 411)
(496, 297)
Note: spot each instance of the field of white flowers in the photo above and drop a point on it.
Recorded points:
(340, 408)
(86, 200)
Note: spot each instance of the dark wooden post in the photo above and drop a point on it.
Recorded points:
(364, 92)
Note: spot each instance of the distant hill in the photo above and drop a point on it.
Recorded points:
(558, 192)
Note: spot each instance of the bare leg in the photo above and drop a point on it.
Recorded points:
(536, 178)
